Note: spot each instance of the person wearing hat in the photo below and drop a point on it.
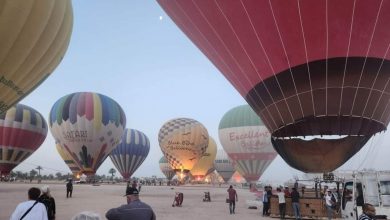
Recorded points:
(134, 209)
(48, 201)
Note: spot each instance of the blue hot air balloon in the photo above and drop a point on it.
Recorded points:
(131, 152)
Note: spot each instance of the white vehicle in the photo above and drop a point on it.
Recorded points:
(83, 179)
(366, 187)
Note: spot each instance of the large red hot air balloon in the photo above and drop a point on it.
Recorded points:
(307, 68)
(22, 131)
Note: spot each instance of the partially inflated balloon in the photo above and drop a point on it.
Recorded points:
(307, 68)
(22, 131)
(68, 160)
(88, 125)
(131, 152)
(224, 165)
(34, 36)
(205, 165)
(183, 142)
(166, 169)
(247, 141)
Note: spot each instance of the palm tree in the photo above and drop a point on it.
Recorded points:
(112, 171)
(39, 168)
(32, 174)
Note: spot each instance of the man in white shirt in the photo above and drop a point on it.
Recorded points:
(282, 203)
(329, 204)
(31, 209)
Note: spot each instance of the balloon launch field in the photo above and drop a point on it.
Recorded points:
(101, 198)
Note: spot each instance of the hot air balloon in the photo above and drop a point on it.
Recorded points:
(69, 161)
(247, 142)
(224, 165)
(307, 68)
(205, 165)
(34, 36)
(166, 169)
(88, 126)
(183, 141)
(22, 131)
(131, 152)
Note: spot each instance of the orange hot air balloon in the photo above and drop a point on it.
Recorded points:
(34, 36)
(307, 68)
(183, 141)
(205, 165)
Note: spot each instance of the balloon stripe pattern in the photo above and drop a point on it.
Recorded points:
(34, 36)
(131, 152)
(88, 126)
(183, 142)
(307, 68)
(68, 160)
(166, 169)
(224, 165)
(22, 131)
(247, 141)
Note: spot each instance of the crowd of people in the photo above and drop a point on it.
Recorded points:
(41, 205)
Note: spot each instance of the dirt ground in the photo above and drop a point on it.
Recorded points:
(101, 198)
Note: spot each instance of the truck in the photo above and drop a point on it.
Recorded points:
(366, 187)
(352, 190)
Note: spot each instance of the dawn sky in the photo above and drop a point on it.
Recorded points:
(132, 52)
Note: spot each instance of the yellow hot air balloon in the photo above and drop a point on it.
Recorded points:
(183, 141)
(206, 163)
(68, 160)
(34, 36)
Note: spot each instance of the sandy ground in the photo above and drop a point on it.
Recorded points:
(101, 198)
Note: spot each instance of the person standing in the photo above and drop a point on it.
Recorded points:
(233, 198)
(368, 212)
(329, 204)
(69, 189)
(31, 209)
(265, 201)
(48, 201)
(134, 209)
(269, 194)
(282, 203)
(295, 203)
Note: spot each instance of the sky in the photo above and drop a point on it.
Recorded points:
(132, 52)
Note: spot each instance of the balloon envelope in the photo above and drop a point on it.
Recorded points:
(22, 131)
(88, 125)
(224, 165)
(34, 36)
(307, 68)
(131, 152)
(183, 142)
(68, 160)
(166, 169)
(247, 141)
(205, 165)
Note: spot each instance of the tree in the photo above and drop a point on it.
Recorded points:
(19, 174)
(58, 175)
(112, 171)
(33, 173)
(39, 168)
